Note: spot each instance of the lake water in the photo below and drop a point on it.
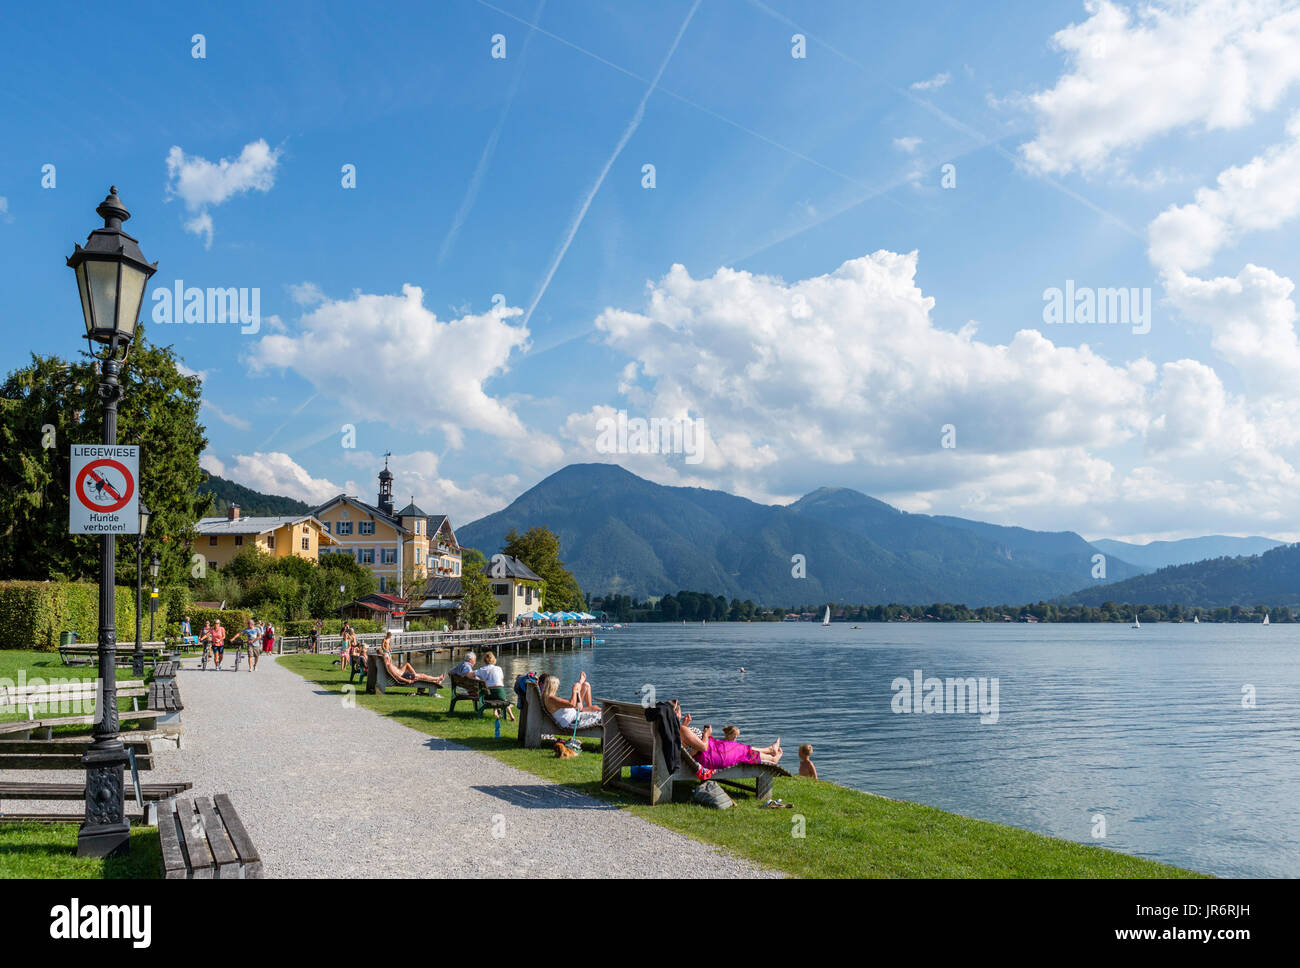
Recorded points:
(1146, 728)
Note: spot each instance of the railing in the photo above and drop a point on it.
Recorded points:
(426, 641)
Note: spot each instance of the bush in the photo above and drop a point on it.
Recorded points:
(233, 620)
(34, 613)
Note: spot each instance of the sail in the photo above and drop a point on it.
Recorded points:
(826, 619)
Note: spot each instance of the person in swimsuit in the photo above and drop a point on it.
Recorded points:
(576, 712)
(406, 674)
(718, 754)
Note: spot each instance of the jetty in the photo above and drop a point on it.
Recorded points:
(516, 638)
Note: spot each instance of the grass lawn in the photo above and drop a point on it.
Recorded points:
(47, 667)
(847, 833)
(49, 851)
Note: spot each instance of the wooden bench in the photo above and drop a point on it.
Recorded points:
(472, 690)
(79, 694)
(66, 754)
(378, 679)
(632, 740)
(536, 721)
(87, 654)
(204, 839)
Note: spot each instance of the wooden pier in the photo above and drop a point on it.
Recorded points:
(454, 644)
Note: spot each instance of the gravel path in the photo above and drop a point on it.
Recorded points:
(331, 791)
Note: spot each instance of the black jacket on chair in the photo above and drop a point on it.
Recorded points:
(667, 724)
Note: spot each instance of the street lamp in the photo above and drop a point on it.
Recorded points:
(153, 599)
(137, 661)
(342, 602)
(111, 275)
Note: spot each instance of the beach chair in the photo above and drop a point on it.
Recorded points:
(383, 681)
(472, 690)
(631, 740)
(536, 721)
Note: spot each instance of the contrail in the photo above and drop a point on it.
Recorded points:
(489, 149)
(618, 149)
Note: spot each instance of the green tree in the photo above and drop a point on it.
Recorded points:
(478, 609)
(539, 549)
(54, 402)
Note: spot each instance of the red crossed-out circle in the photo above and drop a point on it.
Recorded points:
(89, 472)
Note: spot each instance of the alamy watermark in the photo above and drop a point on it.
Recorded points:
(211, 306)
(953, 695)
(622, 434)
(1084, 305)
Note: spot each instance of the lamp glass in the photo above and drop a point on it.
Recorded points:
(153, 566)
(129, 298)
(82, 287)
(102, 277)
(145, 515)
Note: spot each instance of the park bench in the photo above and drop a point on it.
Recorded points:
(377, 679)
(87, 654)
(203, 838)
(471, 689)
(632, 740)
(66, 754)
(79, 695)
(536, 721)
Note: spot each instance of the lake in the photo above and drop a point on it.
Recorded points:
(1144, 728)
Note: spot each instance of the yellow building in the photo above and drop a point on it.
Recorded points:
(398, 546)
(220, 539)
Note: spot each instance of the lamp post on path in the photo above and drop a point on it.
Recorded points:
(111, 275)
(137, 660)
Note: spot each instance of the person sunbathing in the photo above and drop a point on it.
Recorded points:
(718, 754)
(578, 711)
(406, 674)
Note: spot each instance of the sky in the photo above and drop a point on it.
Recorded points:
(827, 244)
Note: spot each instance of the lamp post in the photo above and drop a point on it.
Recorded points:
(153, 598)
(137, 660)
(342, 602)
(111, 275)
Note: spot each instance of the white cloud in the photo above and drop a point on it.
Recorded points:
(417, 476)
(1211, 65)
(204, 184)
(237, 422)
(272, 473)
(908, 144)
(933, 84)
(306, 293)
(389, 358)
(4, 210)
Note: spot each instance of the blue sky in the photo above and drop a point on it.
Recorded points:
(836, 306)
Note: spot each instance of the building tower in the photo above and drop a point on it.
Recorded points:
(386, 487)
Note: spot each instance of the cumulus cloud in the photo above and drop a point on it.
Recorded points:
(908, 144)
(203, 184)
(417, 475)
(272, 473)
(1169, 65)
(391, 359)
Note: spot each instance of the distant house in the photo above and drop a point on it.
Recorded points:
(394, 545)
(516, 588)
(388, 610)
(299, 535)
(439, 600)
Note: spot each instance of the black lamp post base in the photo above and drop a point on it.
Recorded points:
(106, 831)
(137, 664)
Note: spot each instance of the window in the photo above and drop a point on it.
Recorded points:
(519, 590)
(417, 556)
(500, 589)
(306, 544)
(345, 527)
(366, 527)
(528, 596)
(366, 556)
(270, 541)
(212, 541)
(239, 539)
(390, 556)
(383, 583)
(212, 565)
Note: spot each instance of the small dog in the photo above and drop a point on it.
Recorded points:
(564, 752)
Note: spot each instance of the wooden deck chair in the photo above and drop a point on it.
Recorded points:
(631, 740)
(536, 721)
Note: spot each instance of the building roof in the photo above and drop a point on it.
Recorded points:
(411, 511)
(370, 509)
(252, 525)
(442, 587)
(508, 567)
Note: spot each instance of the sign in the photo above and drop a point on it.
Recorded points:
(105, 495)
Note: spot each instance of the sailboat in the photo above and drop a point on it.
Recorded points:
(1196, 620)
(1266, 618)
(1137, 624)
(826, 619)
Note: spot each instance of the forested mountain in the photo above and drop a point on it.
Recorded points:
(251, 503)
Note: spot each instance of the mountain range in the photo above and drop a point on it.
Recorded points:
(251, 503)
(623, 534)
(1160, 554)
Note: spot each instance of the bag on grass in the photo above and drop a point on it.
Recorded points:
(710, 794)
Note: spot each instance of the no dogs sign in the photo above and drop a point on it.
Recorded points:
(105, 495)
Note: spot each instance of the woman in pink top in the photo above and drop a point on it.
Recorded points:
(718, 754)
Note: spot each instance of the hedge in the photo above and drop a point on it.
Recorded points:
(233, 620)
(34, 613)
